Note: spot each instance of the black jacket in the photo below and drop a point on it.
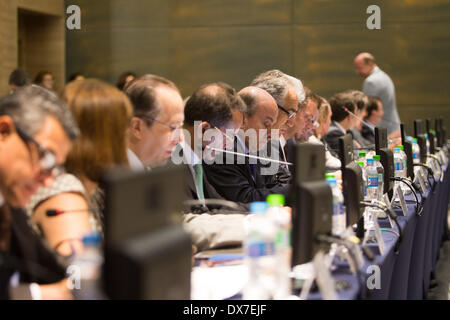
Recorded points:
(209, 191)
(239, 179)
(28, 255)
(368, 134)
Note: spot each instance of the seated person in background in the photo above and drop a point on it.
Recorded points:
(18, 79)
(306, 120)
(155, 128)
(37, 131)
(149, 143)
(124, 79)
(374, 115)
(213, 115)
(289, 95)
(239, 178)
(325, 114)
(341, 121)
(45, 79)
(360, 100)
(102, 113)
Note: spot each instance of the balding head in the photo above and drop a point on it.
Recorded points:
(261, 115)
(364, 64)
(256, 98)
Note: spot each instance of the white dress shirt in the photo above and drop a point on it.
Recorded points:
(134, 162)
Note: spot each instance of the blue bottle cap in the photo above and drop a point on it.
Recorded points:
(370, 161)
(258, 207)
(331, 181)
(396, 149)
(91, 239)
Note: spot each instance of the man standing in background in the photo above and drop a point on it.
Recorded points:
(378, 84)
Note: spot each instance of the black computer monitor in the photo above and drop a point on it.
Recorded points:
(409, 153)
(437, 128)
(431, 136)
(346, 149)
(312, 205)
(421, 140)
(147, 254)
(386, 158)
(352, 182)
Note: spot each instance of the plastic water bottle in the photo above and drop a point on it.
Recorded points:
(371, 193)
(380, 170)
(364, 177)
(339, 221)
(372, 180)
(89, 263)
(428, 144)
(398, 166)
(416, 151)
(281, 217)
(260, 255)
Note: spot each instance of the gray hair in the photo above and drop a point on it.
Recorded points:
(299, 91)
(29, 108)
(275, 83)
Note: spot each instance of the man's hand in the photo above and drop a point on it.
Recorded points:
(56, 291)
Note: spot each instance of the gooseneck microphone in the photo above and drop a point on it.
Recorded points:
(58, 212)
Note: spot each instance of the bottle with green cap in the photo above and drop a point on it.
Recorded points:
(364, 176)
(281, 219)
(260, 256)
(362, 158)
(380, 170)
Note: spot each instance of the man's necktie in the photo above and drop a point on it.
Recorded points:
(198, 169)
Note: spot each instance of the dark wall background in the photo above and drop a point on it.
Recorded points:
(197, 41)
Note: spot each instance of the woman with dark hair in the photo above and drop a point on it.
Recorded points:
(124, 79)
(45, 79)
(102, 113)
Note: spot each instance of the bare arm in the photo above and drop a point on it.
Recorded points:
(64, 232)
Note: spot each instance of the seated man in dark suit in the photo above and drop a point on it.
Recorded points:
(213, 115)
(37, 131)
(289, 95)
(342, 121)
(374, 115)
(240, 178)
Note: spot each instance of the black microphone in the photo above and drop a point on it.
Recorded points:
(57, 212)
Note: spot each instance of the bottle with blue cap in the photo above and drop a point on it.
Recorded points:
(338, 222)
(89, 265)
(260, 257)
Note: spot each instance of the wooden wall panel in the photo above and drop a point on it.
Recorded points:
(49, 34)
(197, 41)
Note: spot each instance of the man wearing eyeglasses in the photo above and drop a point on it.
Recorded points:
(156, 126)
(36, 133)
(239, 177)
(305, 124)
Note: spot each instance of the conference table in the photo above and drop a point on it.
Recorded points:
(405, 272)
(405, 268)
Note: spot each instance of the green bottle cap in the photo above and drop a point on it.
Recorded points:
(362, 154)
(361, 163)
(275, 200)
(377, 157)
(329, 176)
(401, 147)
